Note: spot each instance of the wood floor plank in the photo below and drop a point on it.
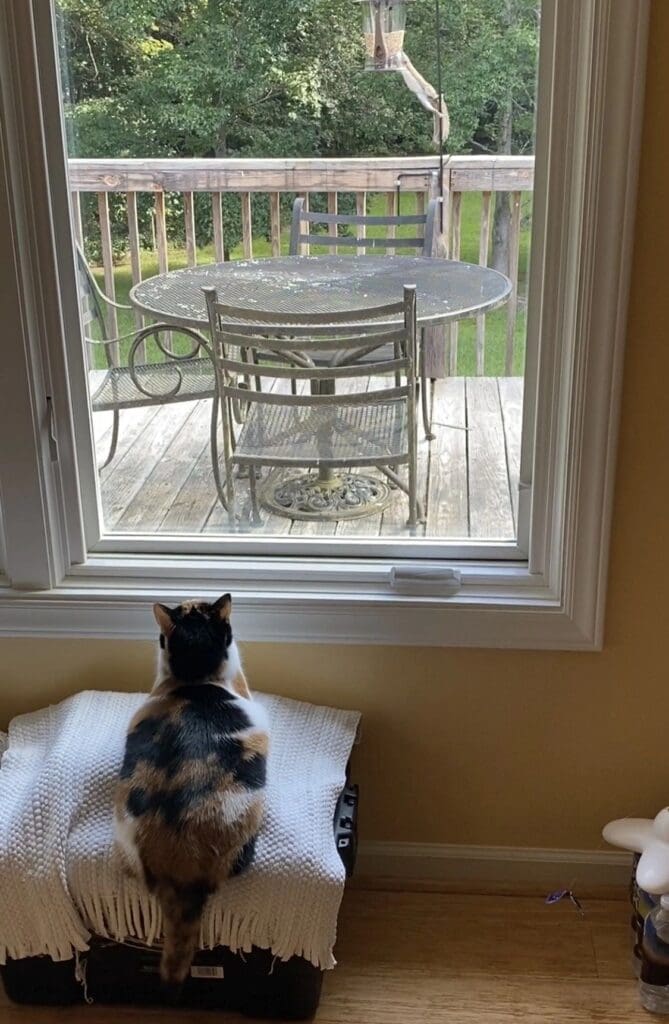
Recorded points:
(447, 500)
(490, 511)
(132, 423)
(127, 472)
(511, 402)
(146, 511)
(195, 500)
(437, 929)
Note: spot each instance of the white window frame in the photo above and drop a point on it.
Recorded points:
(590, 104)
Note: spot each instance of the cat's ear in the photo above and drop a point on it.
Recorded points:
(163, 618)
(222, 607)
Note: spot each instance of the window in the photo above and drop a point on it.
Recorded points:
(536, 581)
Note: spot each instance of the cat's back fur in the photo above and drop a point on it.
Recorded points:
(189, 800)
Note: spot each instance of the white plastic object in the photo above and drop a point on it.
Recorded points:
(650, 838)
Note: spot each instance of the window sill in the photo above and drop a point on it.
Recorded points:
(298, 602)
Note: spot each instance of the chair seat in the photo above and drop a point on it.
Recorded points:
(336, 435)
(115, 388)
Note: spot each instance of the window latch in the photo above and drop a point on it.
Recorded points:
(425, 579)
(51, 434)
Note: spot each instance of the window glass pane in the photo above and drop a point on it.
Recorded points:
(220, 82)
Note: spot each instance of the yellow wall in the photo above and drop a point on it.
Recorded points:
(510, 748)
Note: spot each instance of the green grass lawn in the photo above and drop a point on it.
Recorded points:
(471, 213)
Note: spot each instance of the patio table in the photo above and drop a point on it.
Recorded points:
(446, 291)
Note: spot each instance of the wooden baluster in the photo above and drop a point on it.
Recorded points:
(77, 223)
(161, 233)
(456, 224)
(161, 246)
(189, 220)
(217, 219)
(305, 247)
(332, 228)
(391, 210)
(135, 262)
(361, 211)
(484, 243)
(247, 226)
(275, 222)
(108, 265)
(512, 304)
(420, 210)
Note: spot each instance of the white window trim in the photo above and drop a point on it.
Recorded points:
(591, 97)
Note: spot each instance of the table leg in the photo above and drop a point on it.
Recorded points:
(330, 495)
(325, 387)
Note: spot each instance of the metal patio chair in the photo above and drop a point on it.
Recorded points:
(422, 243)
(127, 380)
(314, 430)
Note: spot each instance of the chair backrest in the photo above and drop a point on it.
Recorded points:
(422, 240)
(92, 309)
(281, 346)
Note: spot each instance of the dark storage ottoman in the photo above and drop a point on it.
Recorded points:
(255, 984)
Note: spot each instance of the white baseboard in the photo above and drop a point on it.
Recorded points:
(494, 867)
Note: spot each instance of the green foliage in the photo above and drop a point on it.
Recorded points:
(263, 78)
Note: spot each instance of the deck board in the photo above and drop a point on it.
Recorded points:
(448, 501)
(511, 401)
(490, 510)
(161, 478)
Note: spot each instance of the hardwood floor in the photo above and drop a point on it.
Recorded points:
(160, 480)
(433, 958)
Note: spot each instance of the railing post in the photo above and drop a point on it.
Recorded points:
(161, 232)
(108, 266)
(247, 226)
(135, 261)
(456, 228)
(275, 222)
(484, 244)
(76, 219)
(361, 210)
(512, 305)
(189, 221)
(217, 221)
(391, 210)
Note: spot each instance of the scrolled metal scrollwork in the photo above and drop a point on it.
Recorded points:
(307, 496)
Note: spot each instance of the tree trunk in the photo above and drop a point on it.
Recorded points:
(502, 217)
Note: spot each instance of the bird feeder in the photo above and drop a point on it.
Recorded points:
(384, 22)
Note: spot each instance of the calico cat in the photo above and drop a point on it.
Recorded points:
(189, 800)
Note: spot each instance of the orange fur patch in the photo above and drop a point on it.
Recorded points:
(255, 743)
(240, 686)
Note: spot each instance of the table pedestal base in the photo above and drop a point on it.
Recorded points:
(311, 497)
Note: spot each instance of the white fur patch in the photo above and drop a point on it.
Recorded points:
(125, 829)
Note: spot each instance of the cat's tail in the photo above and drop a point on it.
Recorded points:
(182, 907)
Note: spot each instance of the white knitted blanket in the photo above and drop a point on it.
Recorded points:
(61, 877)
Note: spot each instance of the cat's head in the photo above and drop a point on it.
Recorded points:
(195, 638)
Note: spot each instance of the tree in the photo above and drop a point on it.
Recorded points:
(284, 78)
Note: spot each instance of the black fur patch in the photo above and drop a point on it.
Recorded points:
(198, 644)
(252, 773)
(245, 858)
(171, 803)
(203, 728)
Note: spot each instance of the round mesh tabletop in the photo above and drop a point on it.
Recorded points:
(446, 290)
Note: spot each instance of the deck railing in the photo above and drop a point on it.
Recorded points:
(361, 177)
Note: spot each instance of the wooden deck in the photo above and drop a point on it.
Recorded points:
(160, 479)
